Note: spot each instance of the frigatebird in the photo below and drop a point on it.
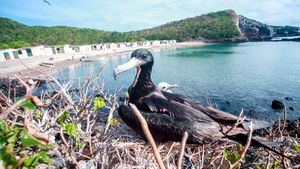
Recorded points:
(169, 115)
(47, 2)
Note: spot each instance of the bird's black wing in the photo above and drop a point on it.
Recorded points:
(162, 127)
(221, 117)
(217, 115)
(202, 125)
(47, 2)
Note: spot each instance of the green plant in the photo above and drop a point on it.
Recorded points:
(71, 129)
(297, 148)
(28, 104)
(15, 145)
(232, 154)
(98, 103)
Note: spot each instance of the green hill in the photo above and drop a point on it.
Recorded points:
(213, 27)
(14, 34)
(216, 25)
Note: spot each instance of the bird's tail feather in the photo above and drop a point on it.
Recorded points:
(257, 142)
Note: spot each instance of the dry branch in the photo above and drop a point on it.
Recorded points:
(246, 147)
(28, 96)
(183, 143)
(33, 130)
(239, 121)
(148, 135)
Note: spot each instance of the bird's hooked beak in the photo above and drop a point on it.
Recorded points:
(132, 63)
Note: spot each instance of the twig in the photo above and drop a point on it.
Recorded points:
(148, 135)
(183, 143)
(246, 147)
(29, 91)
(33, 130)
(167, 156)
(111, 111)
(202, 157)
(239, 121)
(284, 117)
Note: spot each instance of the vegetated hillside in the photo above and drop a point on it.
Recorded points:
(218, 25)
(222, 26)
(14, 35)
(212, 26)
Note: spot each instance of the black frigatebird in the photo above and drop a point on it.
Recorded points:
(169, 115)
(47, 2)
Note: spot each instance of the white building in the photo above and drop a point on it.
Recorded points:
(75, 48)
(50, 50)
(68, 49)
(8, 54)
(113, 46)
(94, 47)
(164, 42)
(85, 48)
(172, 42)
(102, 46)
(155, 43)
(37, 51)
(121, 45)
(134, 44)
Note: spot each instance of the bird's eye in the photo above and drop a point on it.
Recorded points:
(144, 56)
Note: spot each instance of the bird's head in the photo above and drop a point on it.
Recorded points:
(164, 86)
(140, 58)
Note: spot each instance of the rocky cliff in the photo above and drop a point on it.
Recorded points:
(253, 30)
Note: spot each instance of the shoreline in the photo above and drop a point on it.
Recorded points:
(30, 67)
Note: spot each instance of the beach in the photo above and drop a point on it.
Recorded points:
(31, 67)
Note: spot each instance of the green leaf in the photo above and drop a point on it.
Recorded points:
(297, 148)
(37, 115)
(12, 136)
(41, 157)
(3, 125)
(26, 103)
(63, 118)
(112, 121)
(7, 158)
(29, 141)
(79, 145)
(234, 157)
(276, 165)
(98, 103)
(225, 154)
(71, 129)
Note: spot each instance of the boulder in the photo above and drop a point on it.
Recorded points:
(12, 87)
(277, 104)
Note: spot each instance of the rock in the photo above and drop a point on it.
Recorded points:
(289, 98)
(252, 111)
(15, 87)
(277, 104)
(291, 108)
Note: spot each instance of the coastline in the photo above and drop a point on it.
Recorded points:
(31, 68)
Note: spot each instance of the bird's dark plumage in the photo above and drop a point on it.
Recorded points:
(170, 115)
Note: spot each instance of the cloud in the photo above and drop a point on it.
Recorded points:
(140, 14)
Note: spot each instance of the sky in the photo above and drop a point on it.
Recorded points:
(130, 15)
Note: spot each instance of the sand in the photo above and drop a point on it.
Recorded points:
(31, 68)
